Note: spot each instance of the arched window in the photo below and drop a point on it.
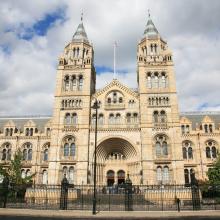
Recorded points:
(71, 174)
(214, 154)
(164, 148)
(67, 119)
(80, 82)
(210, 128)
(192, 175)
(27, 131)
(155, 81)
(44, 177)
(48, 132)
(187, 150)
(155, 117)
(66, 149)
(120, 99)
(69, 148)
(186, 176)
(118, 118)
(27, 151)
(74, 119)
(111, 119)
(190, 153)
(158, 149)
(31, 131)
(161, 145)
(45, 152)
(128, 118)
(73, 82)
(211, 150)
(6, 151)
(4, 154)
(135, 117)
(163, 80)
(163, 117)
(72, 149)
(208, 152)
(93, 119)
(183, 129)
(101, 119)
(66, 83)
(46, 155)
(206, 128)
(149, 80)
(24, 154)
(7, 132)
(11, 131)
(65, 171)
(159, 174)
(166, 174)
(29, 154)
(184, 153)
(109, 100)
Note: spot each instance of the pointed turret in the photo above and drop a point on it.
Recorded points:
(150, 30)
(80, 34)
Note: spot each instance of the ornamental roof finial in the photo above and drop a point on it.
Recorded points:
(82, 16)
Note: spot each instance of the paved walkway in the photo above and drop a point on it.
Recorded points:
(49, 214)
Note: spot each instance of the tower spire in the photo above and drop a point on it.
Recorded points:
(80, 34)
(150, 30)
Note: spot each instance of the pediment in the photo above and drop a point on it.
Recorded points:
(115, 85)
(207, 119)
(185, 120)
(9, 123)
(30, 123)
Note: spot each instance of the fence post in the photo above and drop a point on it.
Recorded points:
(64, 193)
(5, 185)
(128, 194)
(178, 204)
(82, 196)
(161, 191)
(195, 194)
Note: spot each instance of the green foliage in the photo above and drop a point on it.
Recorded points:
(214, 173)
(13, 172)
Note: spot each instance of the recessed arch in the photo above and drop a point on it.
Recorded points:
(115, 144)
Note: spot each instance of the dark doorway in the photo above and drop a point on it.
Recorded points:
(110, 177)
(121, 177)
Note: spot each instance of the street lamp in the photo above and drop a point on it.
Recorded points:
(95, 106)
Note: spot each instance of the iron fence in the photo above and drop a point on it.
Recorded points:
(114, 198)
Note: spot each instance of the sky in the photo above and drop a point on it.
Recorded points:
(34, 33)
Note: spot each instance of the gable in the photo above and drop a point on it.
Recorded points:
(115, 85)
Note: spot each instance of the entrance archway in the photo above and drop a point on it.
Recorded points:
(121, 176)
(116, 154)
(110, 178)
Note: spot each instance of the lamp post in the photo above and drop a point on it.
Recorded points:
(95, 106)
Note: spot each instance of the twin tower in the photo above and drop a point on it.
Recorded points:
(138, 131)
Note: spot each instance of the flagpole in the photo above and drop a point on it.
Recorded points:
(114, 77)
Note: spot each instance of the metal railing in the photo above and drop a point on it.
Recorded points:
(112, 198)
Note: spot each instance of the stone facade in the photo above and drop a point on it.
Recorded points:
(139, 132)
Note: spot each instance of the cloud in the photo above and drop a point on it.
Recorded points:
(33, 35)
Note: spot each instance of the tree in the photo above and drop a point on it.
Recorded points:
(214, 173)
(13, 172)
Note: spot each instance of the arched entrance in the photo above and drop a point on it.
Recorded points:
(121, 176)
(110, 178)
(120, 157)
